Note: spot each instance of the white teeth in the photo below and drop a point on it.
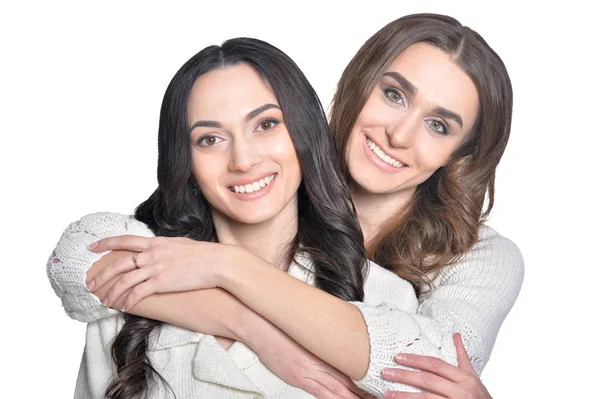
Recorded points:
(253, 187)
(383, 156)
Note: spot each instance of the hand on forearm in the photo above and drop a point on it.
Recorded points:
(212, 311)
(329, 327)
(294, 364)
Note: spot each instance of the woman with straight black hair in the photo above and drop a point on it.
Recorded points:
(245, 159)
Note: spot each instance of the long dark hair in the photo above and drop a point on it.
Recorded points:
(442, 221)
(328, 230)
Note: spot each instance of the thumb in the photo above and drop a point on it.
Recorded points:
(462, 356)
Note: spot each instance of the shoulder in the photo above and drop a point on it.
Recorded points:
(108, 224)
(494, 260)
(382, 285)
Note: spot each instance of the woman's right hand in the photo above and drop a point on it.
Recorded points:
(300, 368)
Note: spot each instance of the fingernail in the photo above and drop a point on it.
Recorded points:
(91, 285)
(105, 301)
(389, 394)
(123, 309)
(401, 357)
(388, 373)
(93, 245)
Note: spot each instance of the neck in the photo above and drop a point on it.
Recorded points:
(374, 210)
(269, 240)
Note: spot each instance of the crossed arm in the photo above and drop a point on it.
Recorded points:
(233, 322)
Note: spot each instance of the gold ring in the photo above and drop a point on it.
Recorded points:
(134, 259)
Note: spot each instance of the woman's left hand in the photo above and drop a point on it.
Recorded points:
(438, 378)
(161, 264)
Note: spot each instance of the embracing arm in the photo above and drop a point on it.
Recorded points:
(212, 311)
(471, 297)
(216, 312)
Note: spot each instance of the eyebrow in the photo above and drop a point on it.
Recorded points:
(412, 90)
(249, 116)
(445, 113)
(402, 81)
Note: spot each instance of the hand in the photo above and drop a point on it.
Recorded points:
(438, 378)
(300, 368)
(164, 264)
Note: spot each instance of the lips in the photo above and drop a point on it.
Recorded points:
(253, 186)
(384, 156)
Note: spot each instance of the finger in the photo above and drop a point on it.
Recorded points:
(461, 354)
(342, 389)
(429, 363)
(345, 381)
(118, 266)
(127, 281)
(318, 390)
(425, 380)
(411, 395)
(138, 293)
(125, 242)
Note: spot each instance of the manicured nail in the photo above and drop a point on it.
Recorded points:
(388, 373)
(93, 245)
(400, 357)
(105, 301)
(91, 285)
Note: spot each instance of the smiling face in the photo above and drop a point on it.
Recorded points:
(244, 160)
(420, 111)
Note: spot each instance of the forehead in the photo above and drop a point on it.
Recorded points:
(228, 92)
(439, 80)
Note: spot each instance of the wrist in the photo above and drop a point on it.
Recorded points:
(229, 268)
(254, 331)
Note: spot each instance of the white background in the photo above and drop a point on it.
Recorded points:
(80, 91)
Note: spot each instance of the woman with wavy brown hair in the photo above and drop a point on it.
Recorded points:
(421, 117)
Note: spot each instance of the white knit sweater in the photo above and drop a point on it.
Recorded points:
(472, 297)
(193, 364)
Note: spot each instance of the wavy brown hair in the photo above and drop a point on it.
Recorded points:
(442, 221)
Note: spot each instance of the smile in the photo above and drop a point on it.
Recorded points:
(383, 156)
(254, 186)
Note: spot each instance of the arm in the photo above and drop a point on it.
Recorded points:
(72, 265)
(471, 297)
(212, 311)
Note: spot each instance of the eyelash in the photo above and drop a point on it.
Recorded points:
(395, 91)
(401, 101)
(202, 140)
(444, 127)
(274, 122)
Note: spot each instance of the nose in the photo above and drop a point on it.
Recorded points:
(245, 155)
(402, 133)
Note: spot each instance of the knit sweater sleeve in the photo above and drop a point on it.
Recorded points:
(473, 296)
(71, 259)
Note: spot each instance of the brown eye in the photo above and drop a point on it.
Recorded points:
(209, 141)
(267, 124)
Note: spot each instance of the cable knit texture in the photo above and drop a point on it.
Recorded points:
(472, 297)
(194, 364)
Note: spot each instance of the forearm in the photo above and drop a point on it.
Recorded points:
(329, 327)
(211, 311)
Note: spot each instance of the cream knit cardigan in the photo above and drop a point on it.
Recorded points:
(471, 297)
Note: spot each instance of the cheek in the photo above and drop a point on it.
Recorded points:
(206, 173)
(432, 153)
(283, 150)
